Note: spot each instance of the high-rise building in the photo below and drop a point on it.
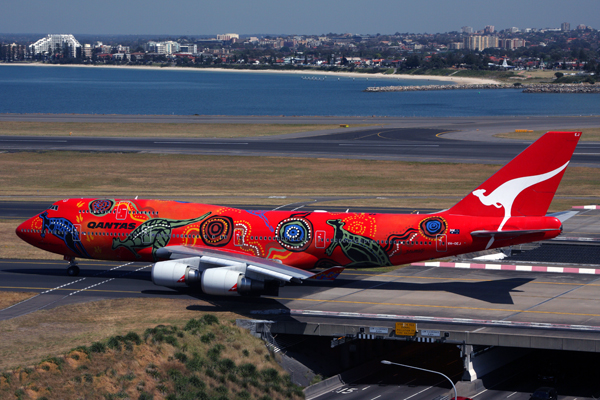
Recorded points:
(565, 27)
(467, 29)
(56, 43)
(581, 27)
(479, 43)
(489, 29)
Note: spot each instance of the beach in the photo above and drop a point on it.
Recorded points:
(457, 80)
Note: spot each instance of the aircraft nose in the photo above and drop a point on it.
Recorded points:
(25, 230)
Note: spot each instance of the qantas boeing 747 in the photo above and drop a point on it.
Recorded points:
(228, 251)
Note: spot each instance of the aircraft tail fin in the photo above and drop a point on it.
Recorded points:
(526, 185)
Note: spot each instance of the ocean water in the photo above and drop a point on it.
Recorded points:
(89, 90)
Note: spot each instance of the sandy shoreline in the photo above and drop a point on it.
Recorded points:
(458, 80)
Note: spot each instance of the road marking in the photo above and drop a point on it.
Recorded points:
(376, 397)
(33, 140)
(111, 279)
(62, 286)
(512, 394)
(366, 387)
(194, 142)
(419, 393)
(389, 145)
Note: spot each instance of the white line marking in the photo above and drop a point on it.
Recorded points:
(193, 142)
(389, 145)
(62, 286)
(420, 393)
(33, 140)
(366, 387)
(512, 394)
(376, 397)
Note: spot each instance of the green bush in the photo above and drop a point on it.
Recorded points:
(98, 347)
(207, 338)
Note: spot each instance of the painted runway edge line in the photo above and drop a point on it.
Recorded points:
(507, 267)
(419, 318)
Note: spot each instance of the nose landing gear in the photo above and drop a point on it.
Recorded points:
(73, 269)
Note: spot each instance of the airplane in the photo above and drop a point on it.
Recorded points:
(231, 252)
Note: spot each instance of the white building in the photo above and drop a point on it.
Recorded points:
(228, 36)
(51, 43)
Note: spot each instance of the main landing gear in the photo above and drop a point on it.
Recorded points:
(73, 269)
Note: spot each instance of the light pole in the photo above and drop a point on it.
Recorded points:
(386, 362)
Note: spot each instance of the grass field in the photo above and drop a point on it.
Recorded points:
(198, 130)
(588, 134)
(8, 299)
(202, 356)
(33, 336)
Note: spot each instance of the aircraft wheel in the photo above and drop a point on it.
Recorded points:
(73, 271)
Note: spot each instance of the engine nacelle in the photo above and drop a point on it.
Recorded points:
(226, 282)
(176, 273)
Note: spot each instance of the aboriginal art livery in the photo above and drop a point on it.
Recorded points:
(229, 251)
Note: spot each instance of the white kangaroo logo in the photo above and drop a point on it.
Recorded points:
(505, 194)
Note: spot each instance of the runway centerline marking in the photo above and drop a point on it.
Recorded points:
(195, 142)
(389, 145)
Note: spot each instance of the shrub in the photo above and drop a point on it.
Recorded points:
(215, 352)
(247, 370)
(98, 347)
(209, 319)
(180, 357)
(145, 396)
(245, 353)
(207, 338)
(226, 365)
(196, 382)
(113, 343)
(270, 375)
(133, 337)
(195, 364)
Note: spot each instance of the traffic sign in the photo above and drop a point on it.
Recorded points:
(406, 329)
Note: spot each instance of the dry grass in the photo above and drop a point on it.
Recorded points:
(13, 247)
(167, 360)
(197, 130)
(588, 134)
(29, 338)
(8, 299)
(65, 174)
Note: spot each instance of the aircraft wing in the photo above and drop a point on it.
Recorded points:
(262, 266)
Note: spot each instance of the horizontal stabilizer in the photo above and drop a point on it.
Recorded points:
(500, 234)
(562, 216)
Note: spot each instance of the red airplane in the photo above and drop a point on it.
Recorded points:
(229, 251)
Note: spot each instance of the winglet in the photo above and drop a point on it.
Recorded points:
(328, 275)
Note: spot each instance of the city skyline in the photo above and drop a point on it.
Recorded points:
(310, 17)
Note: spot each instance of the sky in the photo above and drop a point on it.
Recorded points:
(309, 17)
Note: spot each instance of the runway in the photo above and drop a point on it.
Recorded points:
(403, 139)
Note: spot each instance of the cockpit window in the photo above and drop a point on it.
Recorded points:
(53, 207)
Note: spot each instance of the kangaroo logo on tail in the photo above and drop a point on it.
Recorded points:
(505, 194)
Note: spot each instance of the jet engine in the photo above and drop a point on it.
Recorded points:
(218, 281)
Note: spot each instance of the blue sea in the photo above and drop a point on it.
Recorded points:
(90, 90)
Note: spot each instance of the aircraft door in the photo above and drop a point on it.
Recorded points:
(320, 239)
(77, 233)
(441, 244)
(238, 237)
(121, 211)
